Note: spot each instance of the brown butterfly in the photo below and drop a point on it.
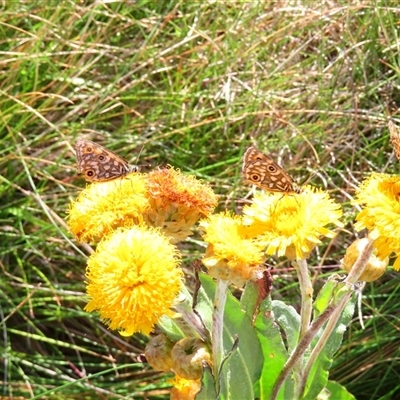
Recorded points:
(262, 171)
(395, 138)
(99, 164)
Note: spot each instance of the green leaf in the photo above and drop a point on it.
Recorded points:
(325, 295)
(245, 363)
(254, 293)
(170, 328)
(248, 300)
(205, 307)
(289, 321)
(338, 392)
(273, 347)
(207, 391)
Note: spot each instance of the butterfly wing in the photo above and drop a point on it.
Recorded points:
(259, 169)
(97, 163)
(395, 138)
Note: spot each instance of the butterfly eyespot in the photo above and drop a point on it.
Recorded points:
(90, 173)
(255, 177)
(101, 158)
(89, 149)
(271, 168)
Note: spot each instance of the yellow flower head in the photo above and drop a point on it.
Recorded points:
(177, 202)
(185, 389)
(231, 255)
(133, 279)
(379, 195)
(291, 225)
(102, 207)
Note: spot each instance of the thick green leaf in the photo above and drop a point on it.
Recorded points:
(274, 350)
(325, 295)
(338, 392)
(289, 321)
(248, 300)
(254, 293)
(170, 328)
(243, 367)
(205, 307)
(207, 391)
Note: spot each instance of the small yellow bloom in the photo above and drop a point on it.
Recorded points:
(177, 202)
(380, 196)
(133, 279)
(185, 389)
(104, 206)
(375, 267)
(292, 225)
(231, 254)
(188, 356)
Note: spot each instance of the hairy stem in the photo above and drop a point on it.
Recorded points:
(217, 329)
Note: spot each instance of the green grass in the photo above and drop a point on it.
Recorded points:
(190, 85)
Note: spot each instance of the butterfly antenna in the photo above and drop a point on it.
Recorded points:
(136, 166)
(308, 179)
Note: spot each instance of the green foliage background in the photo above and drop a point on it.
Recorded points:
(190, 84)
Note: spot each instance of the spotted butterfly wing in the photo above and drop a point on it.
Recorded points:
(99, 164)
(395, 138)
(259, 169)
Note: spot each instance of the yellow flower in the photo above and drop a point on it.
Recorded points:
(177, 202)
(231, 255)
(133, 279)
(102, 207)
(375, 267)
(292, 225)
(379, 195)
(164, 199)
(185, 389)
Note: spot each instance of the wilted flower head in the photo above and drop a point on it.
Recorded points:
(188, 357)
(133, 279)
(291, 225)
(177, 201)
(379, 196)
(158, 353)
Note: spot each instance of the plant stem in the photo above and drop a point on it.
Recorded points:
(217, 329)
(334, 317)
(306, 295)
(301, 348)
(352, 278)
(360, 264)
(193, 321)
